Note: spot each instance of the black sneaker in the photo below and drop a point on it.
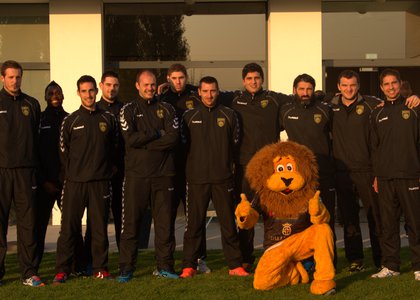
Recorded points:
(356, 267)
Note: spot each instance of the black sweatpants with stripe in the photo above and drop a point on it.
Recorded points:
(198, 198)
(138, 194)
(96, 197)
(398, 196)
(19, 185)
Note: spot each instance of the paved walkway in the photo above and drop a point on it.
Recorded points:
(213, 236)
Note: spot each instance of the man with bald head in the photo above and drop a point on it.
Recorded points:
(150, 131)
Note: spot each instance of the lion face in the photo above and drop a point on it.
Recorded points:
(285, 179)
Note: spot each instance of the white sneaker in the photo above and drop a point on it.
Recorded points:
(417, 275)
(202, 267)
(385, 272)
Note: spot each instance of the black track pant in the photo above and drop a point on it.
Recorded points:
(138, 194)
(44, 205)
(19, 185)
(246, 237)
(349, 187)
(398, 196)
(96, 197)
(116, 206)
(198, 198)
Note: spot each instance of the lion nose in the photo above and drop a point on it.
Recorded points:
(287, 181)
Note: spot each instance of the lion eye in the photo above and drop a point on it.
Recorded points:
(289, 167)
(280, 168)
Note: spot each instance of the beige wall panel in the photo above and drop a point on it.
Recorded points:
(412, 36)
(75, 45)
(352, 35)
(294, 42)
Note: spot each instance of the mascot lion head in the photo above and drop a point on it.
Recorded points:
(285, 177)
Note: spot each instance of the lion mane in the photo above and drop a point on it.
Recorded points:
(260, 168)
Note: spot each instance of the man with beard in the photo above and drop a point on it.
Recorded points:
(308, 122)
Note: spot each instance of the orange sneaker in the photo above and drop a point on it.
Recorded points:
(187, 273)
(239, 271)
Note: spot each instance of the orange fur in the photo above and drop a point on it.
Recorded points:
(260, 169)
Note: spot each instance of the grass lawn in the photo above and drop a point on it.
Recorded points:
(217, 285)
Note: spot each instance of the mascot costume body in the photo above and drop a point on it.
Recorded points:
(284, 175)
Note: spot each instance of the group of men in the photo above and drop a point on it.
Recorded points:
(193, 144)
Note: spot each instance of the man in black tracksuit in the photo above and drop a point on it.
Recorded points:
(308, 122)
(50, 177)
(19, 122)
(354, 177)
(88, 147)
(258, 111)
(182, 96)
(150, 131)
(396, 157)
(210, 133)
(109, 86)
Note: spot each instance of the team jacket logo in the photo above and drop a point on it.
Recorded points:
(405, 114)
(221, 122)
(159, 113)
(317, 118)
(287, 229)
(360, 109)
(25, 110)
(102, 126)
(264, 103)
(189, 104)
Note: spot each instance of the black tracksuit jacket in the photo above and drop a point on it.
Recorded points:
(88, 145)
(183, 101)
(310, 125)
(19, 124)
(49, 136)
(210, 135)
(115, 109)
(396, 140)
(148, 152)
(351, 134)
(259, 120)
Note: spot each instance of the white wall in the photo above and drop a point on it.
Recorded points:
(75, 45)
(294, 42)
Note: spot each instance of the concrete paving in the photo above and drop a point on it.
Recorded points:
(212, 233)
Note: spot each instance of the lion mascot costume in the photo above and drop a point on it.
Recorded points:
(284, 176)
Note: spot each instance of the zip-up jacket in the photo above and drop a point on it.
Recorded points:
(259, 120)
(310, 125)
(351, 133)
(210, 135)
(49, 137)
(183, 101)
(150, 131)
(115, 108)
(19, 124)
(396, 140)
(88, 142)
